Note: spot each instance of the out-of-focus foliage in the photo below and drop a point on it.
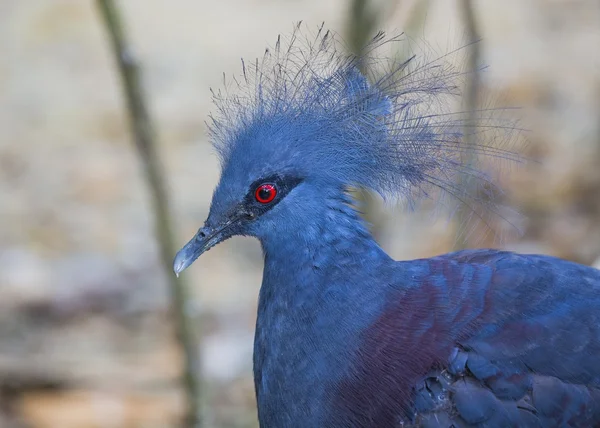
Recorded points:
(85, 337)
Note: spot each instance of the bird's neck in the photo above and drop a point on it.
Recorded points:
(303, 261)
(319, 291)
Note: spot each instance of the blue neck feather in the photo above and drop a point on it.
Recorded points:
(304, 333)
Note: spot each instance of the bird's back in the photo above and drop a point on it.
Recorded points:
(481, 338)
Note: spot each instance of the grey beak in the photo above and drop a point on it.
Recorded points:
(204, 240)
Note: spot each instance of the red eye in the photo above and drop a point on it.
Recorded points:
(265, 193)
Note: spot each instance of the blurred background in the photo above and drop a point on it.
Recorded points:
(86, 335)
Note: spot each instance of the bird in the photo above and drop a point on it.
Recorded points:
(345, 335)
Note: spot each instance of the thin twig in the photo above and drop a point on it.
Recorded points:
(145, 143)
(364, 18)
(471, 99)
(360, 27)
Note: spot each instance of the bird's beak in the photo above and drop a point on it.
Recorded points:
(206, 238)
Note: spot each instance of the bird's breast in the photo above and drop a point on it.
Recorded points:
(307, 334)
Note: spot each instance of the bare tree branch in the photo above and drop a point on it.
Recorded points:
(145, 142)
(471, 99)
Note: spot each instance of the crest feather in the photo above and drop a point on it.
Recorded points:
(391, 129)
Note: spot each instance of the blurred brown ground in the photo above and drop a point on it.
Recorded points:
(85, 338)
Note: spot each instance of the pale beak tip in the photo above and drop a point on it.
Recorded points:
(205, 239)
(182, 261)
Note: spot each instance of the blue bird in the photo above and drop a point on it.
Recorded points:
(345, 335)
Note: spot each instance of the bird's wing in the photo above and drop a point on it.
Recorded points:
(529, 353)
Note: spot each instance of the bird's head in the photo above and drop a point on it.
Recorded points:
(305, 125)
